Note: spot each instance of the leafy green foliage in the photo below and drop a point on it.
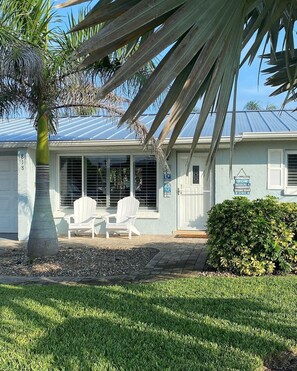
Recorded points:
(207, 323)
(253, 237)
(252, 105)
(200, 43)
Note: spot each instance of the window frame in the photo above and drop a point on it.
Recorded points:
(289, 190)
(58, 177)
(132, 177)
(102, 154)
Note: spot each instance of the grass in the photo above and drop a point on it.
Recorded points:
(208, 323)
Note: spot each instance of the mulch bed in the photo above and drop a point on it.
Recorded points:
(76, 259)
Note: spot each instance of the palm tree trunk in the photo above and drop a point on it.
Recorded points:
(43, 239)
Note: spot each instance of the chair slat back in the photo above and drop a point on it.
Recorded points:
(84, 208)
(127, 206)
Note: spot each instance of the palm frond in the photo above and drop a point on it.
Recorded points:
(22, 62)
(70, 2)
(279, 76)
(210, 33)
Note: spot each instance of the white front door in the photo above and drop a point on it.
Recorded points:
(8, 194)
(193, 193)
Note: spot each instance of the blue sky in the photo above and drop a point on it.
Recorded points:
(248, 86)
(250, 89)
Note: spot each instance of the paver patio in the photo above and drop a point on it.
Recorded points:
(177, 257)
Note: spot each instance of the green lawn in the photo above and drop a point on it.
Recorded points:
(208, 323)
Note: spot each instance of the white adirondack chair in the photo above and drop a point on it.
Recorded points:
(124, 218)
(84, 216)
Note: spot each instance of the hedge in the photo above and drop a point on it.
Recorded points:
(253, 237)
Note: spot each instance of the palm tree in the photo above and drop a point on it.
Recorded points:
(252, 105)
(270, 107)
(26, 87)
(44, 87)
(202, 43)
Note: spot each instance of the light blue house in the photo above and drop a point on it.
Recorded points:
(91, 156)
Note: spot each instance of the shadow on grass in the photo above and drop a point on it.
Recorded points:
(173, 325)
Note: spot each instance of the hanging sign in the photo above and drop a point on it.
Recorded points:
(167, 183)
(242, 184)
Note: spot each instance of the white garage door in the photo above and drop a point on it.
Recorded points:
(8, 194)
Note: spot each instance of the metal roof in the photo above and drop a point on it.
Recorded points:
(100, 128)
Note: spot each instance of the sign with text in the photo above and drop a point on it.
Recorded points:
(167, 183)
(242, 185)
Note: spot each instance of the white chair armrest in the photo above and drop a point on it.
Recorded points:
(131, 218)
(68, 218)
(107, 217)
(93, 218)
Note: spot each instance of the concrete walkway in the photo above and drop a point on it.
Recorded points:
(177, 258)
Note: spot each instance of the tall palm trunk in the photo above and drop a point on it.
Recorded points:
(43, 236)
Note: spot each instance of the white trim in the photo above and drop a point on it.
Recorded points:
(131, 175)
(270, 136)
(151, 214)
(276, 168)
(83, 180)
(57, 145)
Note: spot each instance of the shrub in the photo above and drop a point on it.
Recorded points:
(289, 210)
(253, 237)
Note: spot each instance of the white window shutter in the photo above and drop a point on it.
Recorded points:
(275, 169)
(292, 169)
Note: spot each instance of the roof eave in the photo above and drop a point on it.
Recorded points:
(292, 135)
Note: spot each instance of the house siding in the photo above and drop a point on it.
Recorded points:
(82, 136)
(252, 157)
(161, 221)
(26, 191)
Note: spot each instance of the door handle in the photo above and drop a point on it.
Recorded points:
(179, 192)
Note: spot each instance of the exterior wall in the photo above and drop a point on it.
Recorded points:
(8, 193)
(26, 191)
(252, 157)
(25, 188)
(166, 219)
(161, 221)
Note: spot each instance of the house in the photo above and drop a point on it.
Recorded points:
(92, 156)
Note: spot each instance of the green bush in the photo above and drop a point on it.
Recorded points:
(289, 210)
(253, 237)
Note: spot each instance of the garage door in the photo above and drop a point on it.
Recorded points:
(8, 195)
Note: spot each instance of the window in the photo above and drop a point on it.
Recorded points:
(70, 179)
(292, 169)
(282, 171)
(107, 179)
(196, 175)
(291, 173)
(119, 179)
(96, 184)
(145, 181)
